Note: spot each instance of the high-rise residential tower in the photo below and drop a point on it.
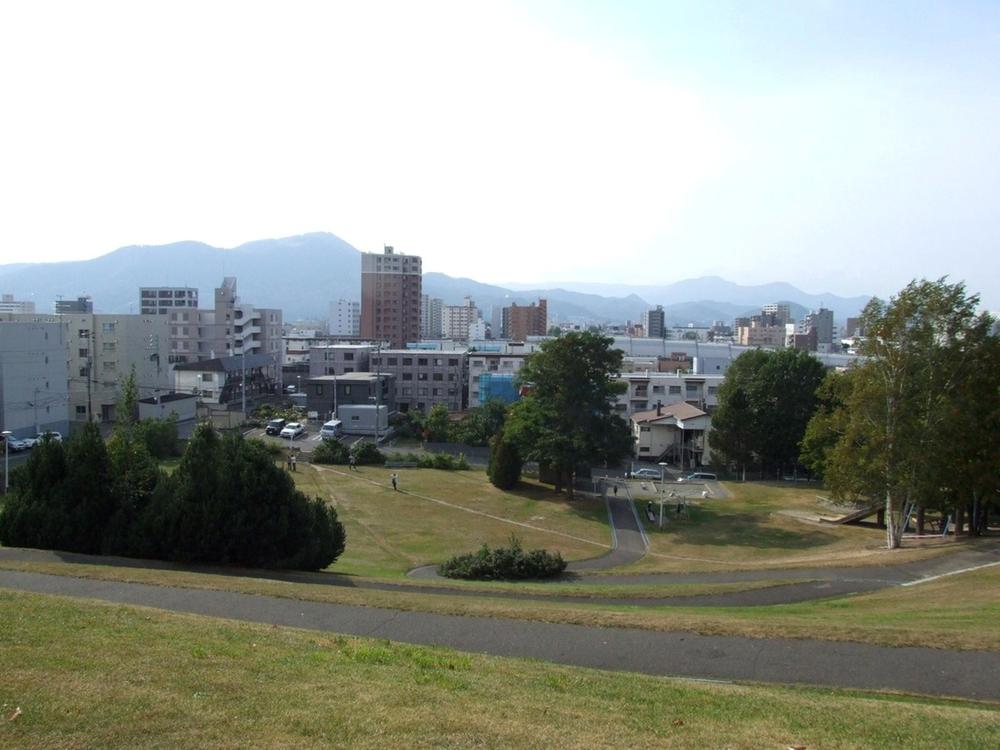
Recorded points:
(390, 297)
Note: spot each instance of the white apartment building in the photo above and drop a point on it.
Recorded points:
(457, 320)
(647, 389)
(9, 305)
(431, 316)
(345, 318)
(34, 394)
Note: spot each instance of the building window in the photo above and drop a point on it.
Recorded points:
(453, 362)
(713, 389)
(84, 352)
(349, 357)
(347, 390)
(407, 376)
(675, 389)
(392, 361)
(108, 346)
(421, 361)
(438, 376)
(319, 389)
(81, 411)
(83, 372)
(407, 361)
(421, 376)
(107, 328)
(692, 387)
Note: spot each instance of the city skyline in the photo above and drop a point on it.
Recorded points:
(838, 147)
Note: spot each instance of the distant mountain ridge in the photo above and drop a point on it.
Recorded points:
(303, 274)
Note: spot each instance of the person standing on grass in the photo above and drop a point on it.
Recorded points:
(353, 463)
(294, 461)
(395, 481)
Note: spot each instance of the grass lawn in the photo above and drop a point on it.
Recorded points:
(756, 527)
(97, 675)
(390, 532)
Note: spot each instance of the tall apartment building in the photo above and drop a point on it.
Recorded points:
(33, 375)
(431, 313)
(162, 300)
(345, 318)
(80, 305)
(654, 323)
(390, 297)
(822, 321)
(781, 313)
(9, 305)
(457, 320)
(241, 328)
(520, 321)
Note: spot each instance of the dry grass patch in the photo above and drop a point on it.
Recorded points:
(110, 676)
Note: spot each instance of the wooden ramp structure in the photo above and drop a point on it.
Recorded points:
(857, 516)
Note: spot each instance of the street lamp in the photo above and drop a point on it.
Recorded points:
(6, 461)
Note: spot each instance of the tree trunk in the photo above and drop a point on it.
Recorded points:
(959, 520)
(893, 534)
(920, 520)
(570, 481)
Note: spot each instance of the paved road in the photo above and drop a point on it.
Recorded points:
(959, 674)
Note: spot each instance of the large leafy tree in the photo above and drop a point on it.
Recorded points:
(919, 425)
(567, 417)
(481, 423)
(765, 403)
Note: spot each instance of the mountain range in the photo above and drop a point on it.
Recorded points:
(303, 274)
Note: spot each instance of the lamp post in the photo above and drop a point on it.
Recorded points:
(6, 461)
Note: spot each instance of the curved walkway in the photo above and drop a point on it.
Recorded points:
(850, 665)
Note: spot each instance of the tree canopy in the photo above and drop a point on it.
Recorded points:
(567, 418)
(918, 419)
(765, 403)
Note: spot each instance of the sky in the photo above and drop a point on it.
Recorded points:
(845, 147)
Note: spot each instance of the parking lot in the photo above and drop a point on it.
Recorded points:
(306, 442)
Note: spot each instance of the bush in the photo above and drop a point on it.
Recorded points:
(443, 461)
(160, 437)
(330, 451)
(367, 453)
(505, 466)
(504, 564)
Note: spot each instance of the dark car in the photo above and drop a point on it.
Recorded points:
(275, 426)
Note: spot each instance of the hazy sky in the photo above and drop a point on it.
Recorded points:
(842, 146)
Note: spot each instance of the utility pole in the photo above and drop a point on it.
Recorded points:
(378, 388)
(34, 404)
(243, 386)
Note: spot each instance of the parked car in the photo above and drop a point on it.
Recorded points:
(699, 476)
(51, 434)
(332, 429)
(31, 442)
(15, 444)
(275, 426)
(647, 474)
(292, 430)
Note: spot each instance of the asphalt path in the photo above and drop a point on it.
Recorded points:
(971, 675)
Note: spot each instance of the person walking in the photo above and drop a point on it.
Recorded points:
(294, 461)
(395, 481)
(353, 463)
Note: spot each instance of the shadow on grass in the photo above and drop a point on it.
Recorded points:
(709, 526)
(583, 506)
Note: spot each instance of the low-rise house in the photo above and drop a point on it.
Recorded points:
(676, 433)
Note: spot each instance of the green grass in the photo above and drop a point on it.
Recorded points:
(754, 527)
(390, 532)
(95, 675)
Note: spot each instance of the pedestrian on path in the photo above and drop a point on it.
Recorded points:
(353, 462)
(395, 481)
(615, 490)
(294, 461)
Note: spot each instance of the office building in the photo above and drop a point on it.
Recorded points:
(345, 318)
(654, 323)
(521, 321)
(162, 300)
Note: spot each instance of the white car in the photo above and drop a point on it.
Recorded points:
(292, 430)
(42, 435)
(16, 444)
(647, 474)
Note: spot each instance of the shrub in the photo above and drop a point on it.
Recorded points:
(367, 453)
(504, 470)
(330, 451)
(510, 563)
(443, 461)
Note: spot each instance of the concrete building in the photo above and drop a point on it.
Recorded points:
(675, 433)
(78, 306)
(345, 318)
(34, 394)
(646, 389)
(520, 321)
(328, 395)
(822, 321)
(431, 317)
(779, 312)
(103, 349)
(9, 305)
(654, 323)
(339, 359)
(390, 297)
(457, 320)
(761, 336)
(182, 406)
(493, 375)
(162, 300)
(297, 345)
(223, 380)
(425, 378)
(241, 328)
